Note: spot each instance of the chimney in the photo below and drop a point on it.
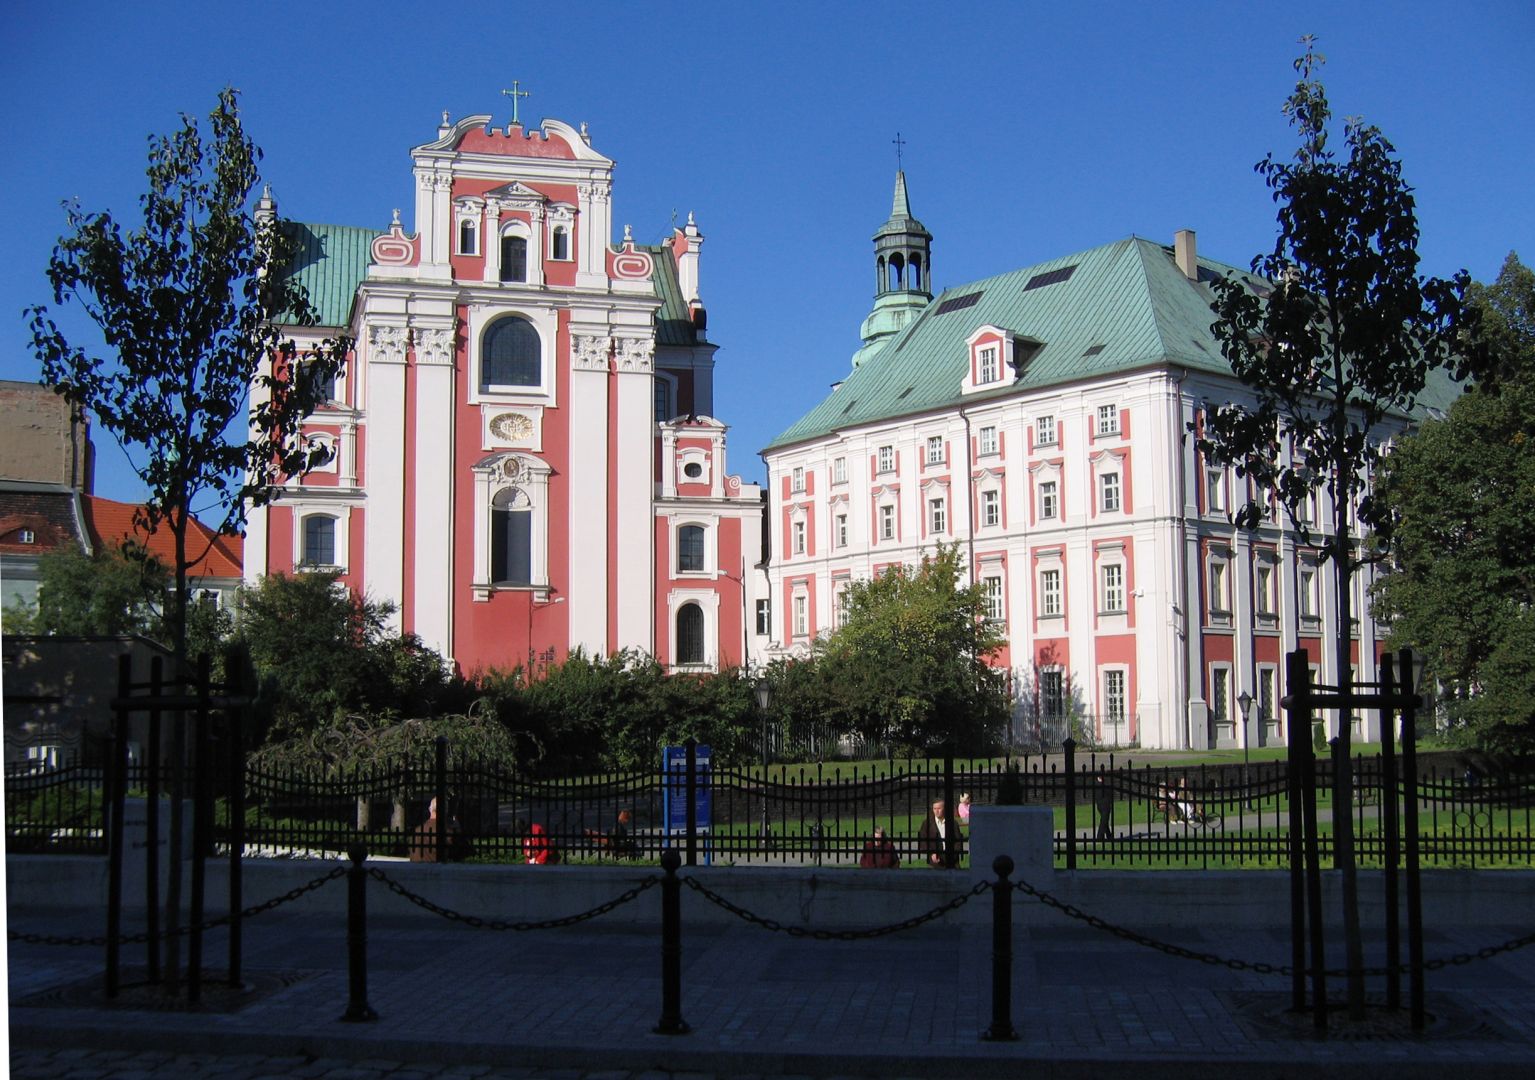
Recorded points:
(1184, 254)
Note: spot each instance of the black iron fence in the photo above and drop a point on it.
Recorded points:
(1108, 812)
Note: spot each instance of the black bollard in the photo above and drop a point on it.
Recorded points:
(1001, 1029)
(357, 1008)
(671, 1022)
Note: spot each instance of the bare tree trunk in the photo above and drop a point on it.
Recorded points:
(364, 813)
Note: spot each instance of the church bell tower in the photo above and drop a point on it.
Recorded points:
(902, 271)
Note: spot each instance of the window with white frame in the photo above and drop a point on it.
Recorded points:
(801, 615)
(1307, 588)
(991, 591)
(1052, 693)
(1220, 694)
(797, 479)
(885, 459)
(764, 618)
(1215, 489)
(1114, 697)
(937, 518)
(935, 449)
(991, 508)
(839, 531)
(887, 522)
(1111, 587)
(1108, 492)
(1050, 593)
(690, 549)
(986, 441)
(1049, 499)
(319, 540)
(1263, 587)
(511, 524)
(511, 355)
(799, 537)
(986, 365)
(26, 536)
(839, 471)
(559, 244)
(1267, 678)
(468, 236)
(1108, 420)
(1044, 431)
(690, 634)
(839, 607)
(663, 402)
(1220, 596)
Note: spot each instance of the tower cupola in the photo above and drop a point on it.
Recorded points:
(902, 269)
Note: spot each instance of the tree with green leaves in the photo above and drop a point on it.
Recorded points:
(1461, 498)
(909, 664)
(192, 373)
(1345, 340)
(115, 591)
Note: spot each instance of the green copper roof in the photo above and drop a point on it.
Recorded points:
(901, 221)
(331, 261)
(674, 323)
(1117, 308)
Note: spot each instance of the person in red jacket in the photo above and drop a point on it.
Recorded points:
(879, 853)
(538, 849)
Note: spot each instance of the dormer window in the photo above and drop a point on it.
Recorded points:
(26, 536)
(986, 367)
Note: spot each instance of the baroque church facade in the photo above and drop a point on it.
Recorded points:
(1040, 420)
(523, 457)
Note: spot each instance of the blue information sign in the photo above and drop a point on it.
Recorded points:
(675, 762)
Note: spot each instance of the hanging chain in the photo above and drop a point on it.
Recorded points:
(497, 924)
(834, 935)
(209, 924)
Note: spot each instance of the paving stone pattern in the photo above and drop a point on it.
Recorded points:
(580, 1003)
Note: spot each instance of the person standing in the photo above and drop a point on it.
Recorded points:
(933, 838)
(1103, 803)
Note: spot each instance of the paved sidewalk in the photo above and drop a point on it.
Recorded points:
(582, 1001)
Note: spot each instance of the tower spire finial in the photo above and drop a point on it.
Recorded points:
(900, 144)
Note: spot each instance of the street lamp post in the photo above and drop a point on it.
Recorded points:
(1245, 703)
(763, 689)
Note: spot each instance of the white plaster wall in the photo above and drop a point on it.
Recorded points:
(589, 589)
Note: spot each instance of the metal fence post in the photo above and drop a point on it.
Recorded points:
(1410, 827)
(1295, 790)
(357, 1008)
(440, 791)
(235, 677)
(1001, 1029)
(117, 785)
(692, 803)
(1070, 748)
(202, 814)
(950, 811)
(1389, 825)
(1302, 714)
(671, 1022)
(152, 760)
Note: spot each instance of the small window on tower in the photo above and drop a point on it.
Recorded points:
(560, 244)
(468, 238)
(692, 470)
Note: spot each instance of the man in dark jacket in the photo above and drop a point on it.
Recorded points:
(932, 838)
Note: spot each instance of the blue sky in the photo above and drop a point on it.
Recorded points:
(1031, 132)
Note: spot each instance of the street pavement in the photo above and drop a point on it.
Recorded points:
(581, 1002)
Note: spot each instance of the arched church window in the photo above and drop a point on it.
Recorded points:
(468, 238)
(879, 270)
(319, 540)
(916, 272)
(560, 244)
(897, 271)
(690, 634)
(514, 258)
(511, 538)
(690, 549)
(511, 355)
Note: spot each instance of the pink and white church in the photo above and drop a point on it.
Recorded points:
(524, 457)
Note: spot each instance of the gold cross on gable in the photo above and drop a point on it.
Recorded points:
(900, 143)
(514, 93)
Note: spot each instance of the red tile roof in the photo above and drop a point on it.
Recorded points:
(110, 522)
(48, 515)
